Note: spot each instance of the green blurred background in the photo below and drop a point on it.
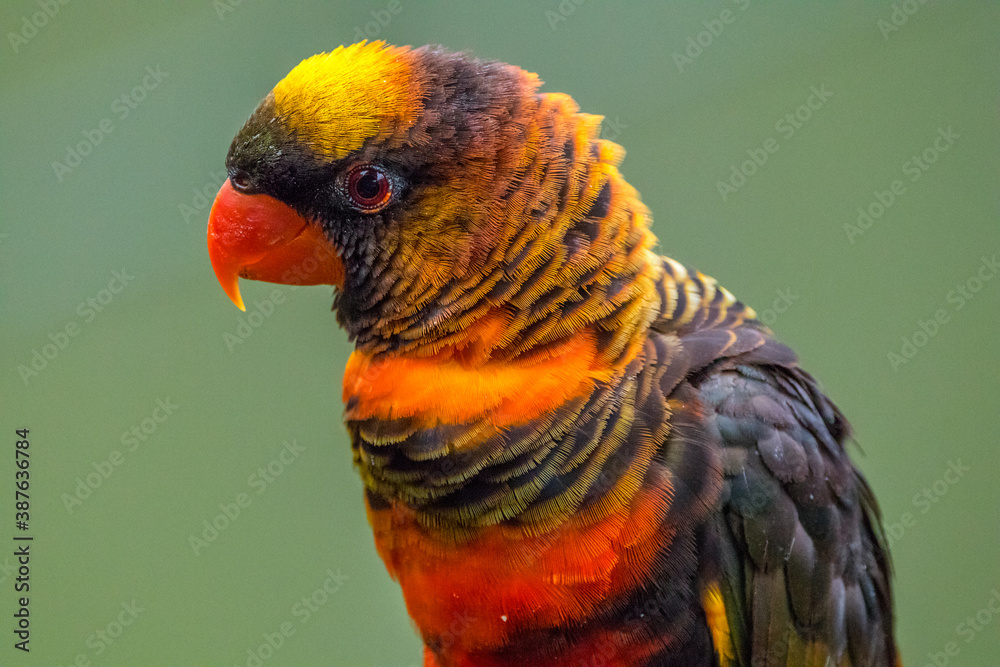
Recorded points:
(687, 89)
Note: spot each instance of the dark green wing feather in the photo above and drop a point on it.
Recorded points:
(803, 568)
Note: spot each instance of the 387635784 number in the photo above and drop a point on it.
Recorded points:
(22, 479)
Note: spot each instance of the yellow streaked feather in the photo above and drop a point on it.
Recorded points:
(715, 614)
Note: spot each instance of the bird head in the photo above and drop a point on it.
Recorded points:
(429, 187)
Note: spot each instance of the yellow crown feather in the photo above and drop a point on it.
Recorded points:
(336, 101)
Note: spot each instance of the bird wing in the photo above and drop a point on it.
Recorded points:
(803, 572)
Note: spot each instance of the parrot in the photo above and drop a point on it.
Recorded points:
(574, 450)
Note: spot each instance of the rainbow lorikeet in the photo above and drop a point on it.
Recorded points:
(575, 451)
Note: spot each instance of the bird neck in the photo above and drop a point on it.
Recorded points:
(504, 363)
(564, 250)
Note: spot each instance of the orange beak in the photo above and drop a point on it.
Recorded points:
(259, 238)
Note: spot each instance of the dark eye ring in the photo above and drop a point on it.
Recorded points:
(368, 188)
(240, 180)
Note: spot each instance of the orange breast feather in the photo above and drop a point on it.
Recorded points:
(454, 386)
(480, 593)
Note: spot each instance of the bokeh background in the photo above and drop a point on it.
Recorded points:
(692, 90)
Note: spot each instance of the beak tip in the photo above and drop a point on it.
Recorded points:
(233, 292)
(228, 278)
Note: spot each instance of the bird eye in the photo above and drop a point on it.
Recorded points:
(368, 188)
(240, 180)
